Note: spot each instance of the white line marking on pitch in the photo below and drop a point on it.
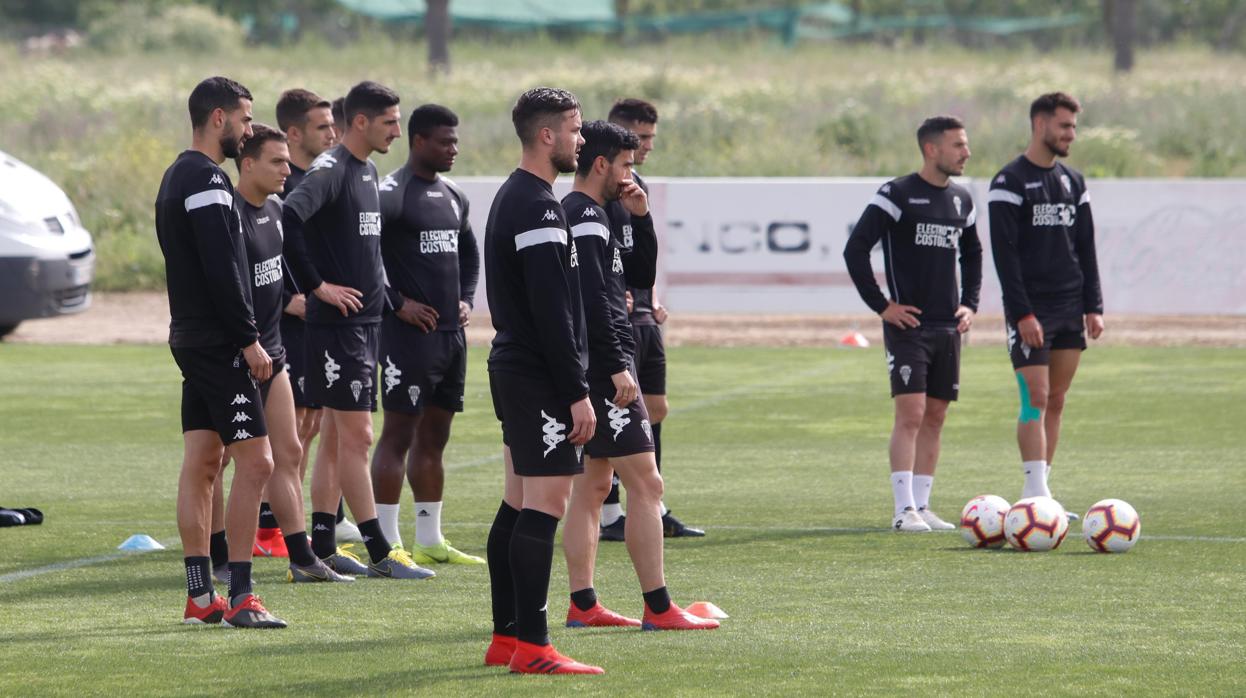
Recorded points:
(61, 566)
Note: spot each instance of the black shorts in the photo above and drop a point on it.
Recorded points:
(279, 365)
(650, 359)
(421, 368)
(535, 425)
(923, 361)
(341, 366)
(1063, 331)
(294, 338)
(219, 394)
(620, 431)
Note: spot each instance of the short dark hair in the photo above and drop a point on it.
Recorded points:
(339, 111)
(427, 117)
(293, 105)
(536, 108)
(934, 127)
(1050, 102)
(253, 146)
(370, 99)
(603, 139)
(212, 94)
(630, 110)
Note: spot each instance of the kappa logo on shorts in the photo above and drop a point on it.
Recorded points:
(413, 392)
(331, 369)
(905, 373)
(240, 399)
(241, 417)
(356, 387)
(1014, 339)
(618, 418)
(891, 362)
(241, 434)
(553, 433)
(301, 388)
(393, 375)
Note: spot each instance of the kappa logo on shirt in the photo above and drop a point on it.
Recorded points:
(549, 215)
(1001, 179)
(618, 418)
(324, 161)
(434, 194)
(886, 189)
(387, 184)
(1033, 185)
(368, 178)
(217, 179)
(919, 201)
(589, 213)
(553, 433)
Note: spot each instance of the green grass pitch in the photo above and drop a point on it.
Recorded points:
(779, 453)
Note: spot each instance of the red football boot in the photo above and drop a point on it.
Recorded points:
(544, 659)
(675, 618)
(598, 617)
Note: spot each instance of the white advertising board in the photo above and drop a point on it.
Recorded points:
(775, 245)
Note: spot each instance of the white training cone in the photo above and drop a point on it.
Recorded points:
(140, 543)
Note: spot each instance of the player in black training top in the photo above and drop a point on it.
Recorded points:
(263, 166)
(215, 342)
(536, 376)
(924, 222)
(623, 442)
(433, 262)
(333, 246)
(1043, 240)
(646, 316)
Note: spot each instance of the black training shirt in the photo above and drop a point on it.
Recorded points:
(261, 227)
(427, 243)
(204, 256)
(923, 229)
(1043, 240)
(534, 290)
(601, 287)
(640, 252)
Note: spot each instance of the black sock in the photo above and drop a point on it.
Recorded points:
(657, 443)
(532, 556)
(239, 581)
(373, 539)
(220, 549)
(300, 550)
(584, 599)
(267, 518)
(658, 600)
(612, 497)
(341, 510)
(198, 576)
(501, 584)
(324, 542)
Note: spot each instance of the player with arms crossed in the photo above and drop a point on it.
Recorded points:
(536, 376)
(332, 227)
(924, 220)
(646, 316)
(215, 342)
(433, 263)
(623, 443)
(1043, 240)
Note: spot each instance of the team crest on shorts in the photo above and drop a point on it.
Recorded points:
(356, 387)
(645, 427)
(413, 392)
(905, 373)
(301, 388)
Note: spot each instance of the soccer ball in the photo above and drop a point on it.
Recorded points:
(982, 521)
(1111, 526)
(1035, 524)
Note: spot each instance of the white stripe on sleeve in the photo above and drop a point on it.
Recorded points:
(1085, 198)
(1004, 196)
(887, 205)
(208, 198)
(579, 230)
(972, 217)
(539, 236)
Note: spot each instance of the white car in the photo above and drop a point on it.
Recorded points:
(47, 259)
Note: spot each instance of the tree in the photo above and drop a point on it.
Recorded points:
(1120, 18)
(437, 33)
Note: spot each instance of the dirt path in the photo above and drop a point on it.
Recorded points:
(138, 318)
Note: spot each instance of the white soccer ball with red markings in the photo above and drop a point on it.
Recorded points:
(1111, 526)
(1036, 524)
(982, 521)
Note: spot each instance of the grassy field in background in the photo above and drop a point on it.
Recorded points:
(105, 127)
(779, 453)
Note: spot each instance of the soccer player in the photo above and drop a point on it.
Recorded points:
(332, 227)
(337, 108)
(623, 444)
(536, 377)
(1043, 240)
(432, 262)
(263, 164)
(924, 220)
(646, 316)
(215, 342)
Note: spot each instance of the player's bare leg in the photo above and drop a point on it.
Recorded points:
(1033, 385)
(201, 467)
(397, 439)
(910, 412)
(580, 529)
(1063, 367)
(926, 458)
